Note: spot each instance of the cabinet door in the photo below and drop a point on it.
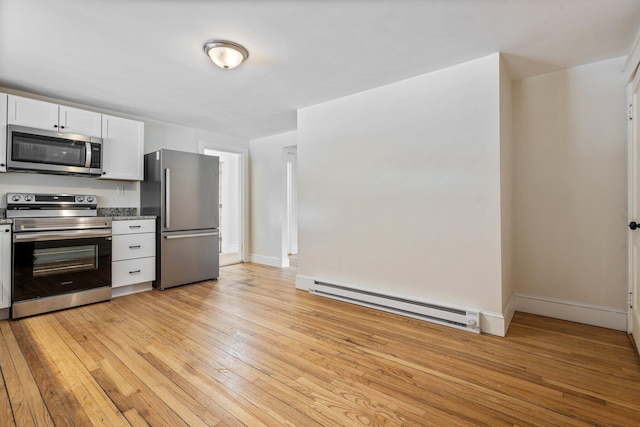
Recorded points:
(3, 132)
(5, 266)
(32, 113)
(123, 145)
(74, 120)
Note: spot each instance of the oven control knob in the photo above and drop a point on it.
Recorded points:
(90, 199)
(80, 199)
(28, 198)
(15, 197)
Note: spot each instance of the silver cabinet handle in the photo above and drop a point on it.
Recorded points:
(184, 236)
(135, 247)
(134, 272)
(167, 198)
(135, 226)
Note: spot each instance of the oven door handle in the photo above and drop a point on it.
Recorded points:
(60, 235)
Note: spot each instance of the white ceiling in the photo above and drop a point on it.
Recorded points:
(145, 57)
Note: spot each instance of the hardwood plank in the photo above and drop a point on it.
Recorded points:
(6, 412)
(134, 418)
(63, 409)
(28, 407)
(75, 377)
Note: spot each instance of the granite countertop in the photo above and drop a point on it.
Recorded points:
(118, 212)
(123, 214)
(126, 218)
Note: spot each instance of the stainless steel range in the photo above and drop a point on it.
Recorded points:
(61, 252)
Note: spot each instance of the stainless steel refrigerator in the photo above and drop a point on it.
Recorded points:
(181, 190)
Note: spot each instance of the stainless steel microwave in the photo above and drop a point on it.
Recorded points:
(45, 151)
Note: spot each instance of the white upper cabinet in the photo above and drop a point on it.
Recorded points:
(3, 132)
(74, 120)
(122, 149)
(46, 115)
(32, 113)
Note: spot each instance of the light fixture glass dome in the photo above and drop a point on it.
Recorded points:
(225, 54)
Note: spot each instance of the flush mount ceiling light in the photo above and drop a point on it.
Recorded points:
(225, 54)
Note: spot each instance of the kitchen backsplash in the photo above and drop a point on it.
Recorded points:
(106, 190)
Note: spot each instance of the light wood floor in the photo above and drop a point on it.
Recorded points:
(251, 350)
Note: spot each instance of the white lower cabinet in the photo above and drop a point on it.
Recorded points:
(133, 254)
(5, 267)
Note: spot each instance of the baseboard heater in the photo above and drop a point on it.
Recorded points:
(467, 320)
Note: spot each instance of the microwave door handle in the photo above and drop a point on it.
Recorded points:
(87, 150)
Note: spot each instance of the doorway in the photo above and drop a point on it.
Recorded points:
(291, 222)
(231, 204)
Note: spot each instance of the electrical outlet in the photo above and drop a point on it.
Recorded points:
(120, 190)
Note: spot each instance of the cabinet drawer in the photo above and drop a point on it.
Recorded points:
(133, 226)
(128, 246)
(129, 272)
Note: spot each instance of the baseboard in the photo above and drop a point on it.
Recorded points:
(498, 323)
(509, 311)
(269, 260)
(131, 289)
(493, 323)
(589, 314)
(4, 313)
(635, 329)
(304, 282)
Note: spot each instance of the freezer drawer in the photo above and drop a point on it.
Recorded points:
(187, 257)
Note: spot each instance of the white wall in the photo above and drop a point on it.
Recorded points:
(506, 188)
(570, 185)
(157, 135)
(268, 198)
(399, 188)
(174, 137)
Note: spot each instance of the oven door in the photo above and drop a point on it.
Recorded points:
(49, 264)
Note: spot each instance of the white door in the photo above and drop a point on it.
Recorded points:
(633, 155)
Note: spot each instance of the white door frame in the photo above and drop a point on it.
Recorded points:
(243, 188)
(291, 219)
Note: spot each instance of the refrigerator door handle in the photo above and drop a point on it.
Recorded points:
(167, 198)
(184, 236)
